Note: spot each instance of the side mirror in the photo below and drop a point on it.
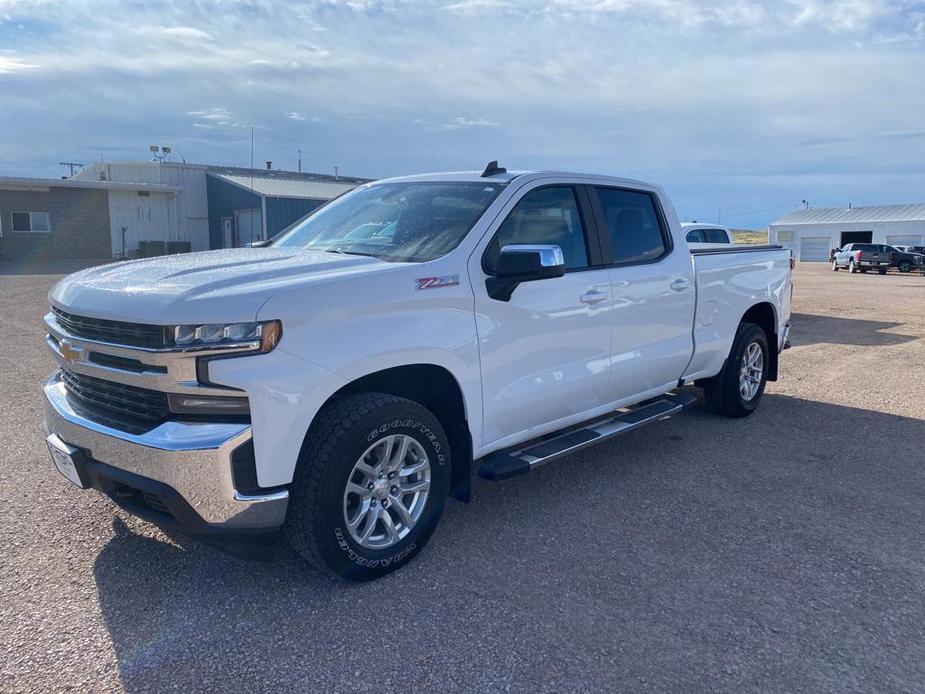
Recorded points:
(263, 243)
(524, 263)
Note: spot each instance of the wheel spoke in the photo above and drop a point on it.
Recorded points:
(389, 525)
(386, 453)
(365, 469)
(361, 514)
(402, 452)
(411, 469)
(354, 488)
(411, 487)
(371, 524)
(402, 512)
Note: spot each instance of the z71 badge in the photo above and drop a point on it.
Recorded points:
(436, 282)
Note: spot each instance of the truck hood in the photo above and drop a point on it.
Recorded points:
(214, 286)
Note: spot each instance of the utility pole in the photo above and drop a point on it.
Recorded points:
(300, 160)
(71, 165)
(336, 177)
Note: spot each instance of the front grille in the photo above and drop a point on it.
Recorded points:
(120, 400)
(116, 332)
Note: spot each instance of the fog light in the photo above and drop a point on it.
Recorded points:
(207, 404)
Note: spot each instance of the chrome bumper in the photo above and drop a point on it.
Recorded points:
(193, 458)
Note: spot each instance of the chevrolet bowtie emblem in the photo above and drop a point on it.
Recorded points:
(70, 353)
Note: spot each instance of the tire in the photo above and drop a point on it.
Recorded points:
(905, 266)
(852, 268)
(834, 265)
(349, 431)
(863, 270)
(722, 392)
(881, 270)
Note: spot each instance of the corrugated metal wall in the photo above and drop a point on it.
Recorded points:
(189, 209)
(281, 212)
(881, 230)
(145, 218)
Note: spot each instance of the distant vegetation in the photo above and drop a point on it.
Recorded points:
(749, 236)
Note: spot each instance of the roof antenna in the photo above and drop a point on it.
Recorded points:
(493, 169)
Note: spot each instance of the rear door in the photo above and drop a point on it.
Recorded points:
(653, 292)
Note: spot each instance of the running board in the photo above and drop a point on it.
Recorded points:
(515, 461)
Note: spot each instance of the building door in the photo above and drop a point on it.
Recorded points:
(815, 248)
(249, 226)
(856, 237)
(228, 232)
(904, 240)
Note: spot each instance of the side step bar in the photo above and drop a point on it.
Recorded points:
(515, 461)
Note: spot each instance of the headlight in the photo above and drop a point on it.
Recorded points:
(262, 336)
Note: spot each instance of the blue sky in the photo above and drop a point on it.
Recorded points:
(739, 108)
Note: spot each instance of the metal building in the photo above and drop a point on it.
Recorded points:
(217, 206)
(48, 218)
(812, 233)
(245, 207)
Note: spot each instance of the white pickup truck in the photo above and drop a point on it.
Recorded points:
(339, 384)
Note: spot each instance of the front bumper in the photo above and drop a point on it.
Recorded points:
(184, 465)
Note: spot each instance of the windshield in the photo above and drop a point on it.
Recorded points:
(398, 222)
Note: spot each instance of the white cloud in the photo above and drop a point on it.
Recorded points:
(463, 122)
(294, 115)
(186, 33)
(10, 65)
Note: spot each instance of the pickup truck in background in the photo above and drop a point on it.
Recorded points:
(861, 257)
(695, 232)
(905, 260)
(338, 385)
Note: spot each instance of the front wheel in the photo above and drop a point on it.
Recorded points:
(905, 266)
(736, 391)
(370, 486)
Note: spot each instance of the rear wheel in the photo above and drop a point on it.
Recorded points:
(881, 270)
(736, 391)
(852, 268)
(834, 265)
(905, 266)
(370, 486)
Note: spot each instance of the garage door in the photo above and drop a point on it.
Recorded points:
(904, 240)
(816, 248)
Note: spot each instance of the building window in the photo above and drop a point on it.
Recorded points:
(785, 236)
(39, 222)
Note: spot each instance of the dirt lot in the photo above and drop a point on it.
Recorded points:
(785, 552)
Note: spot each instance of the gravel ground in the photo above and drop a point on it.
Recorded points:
(785, 552)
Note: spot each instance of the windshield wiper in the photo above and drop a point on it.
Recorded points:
(341, 251)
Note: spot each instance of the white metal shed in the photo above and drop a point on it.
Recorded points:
(811, 233)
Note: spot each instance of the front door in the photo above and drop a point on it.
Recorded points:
(545, 353)
(653, 293)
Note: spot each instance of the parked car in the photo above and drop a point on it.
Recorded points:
(695, 232)
(903, 260)
(917, 253)
(338, 384)
(861, 257)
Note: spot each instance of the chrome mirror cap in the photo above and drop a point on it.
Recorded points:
(549, 255)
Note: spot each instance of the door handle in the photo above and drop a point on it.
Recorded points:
(592, 297)
(680, 285)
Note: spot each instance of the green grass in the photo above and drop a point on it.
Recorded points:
(748, 236)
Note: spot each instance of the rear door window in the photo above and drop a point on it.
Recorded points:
(632, 225)
(716, 236)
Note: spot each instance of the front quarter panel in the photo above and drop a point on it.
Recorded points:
(337, 331)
